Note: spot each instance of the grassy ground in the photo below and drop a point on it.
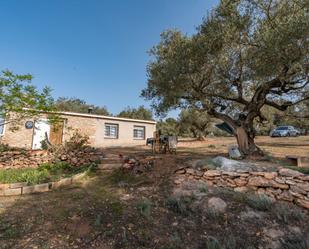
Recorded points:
(44, 173)
(120, 210)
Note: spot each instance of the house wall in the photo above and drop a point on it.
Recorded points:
(95, 129)
(91, 126)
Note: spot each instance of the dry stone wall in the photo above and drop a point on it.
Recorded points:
(32, 159)
(283, 184)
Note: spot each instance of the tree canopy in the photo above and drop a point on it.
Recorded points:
(79, 105)
(245, 55)
(136, 113)
(20, 99)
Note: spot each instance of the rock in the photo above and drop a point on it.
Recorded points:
(303, 203)
(303, 186)
(240, 182)
(251, 215)
(234, 152)
(212, 173)
(190, 171)
(241, 189)
(217, 204)
(270, 175)
(285, 196)
(273, 233)
(226, 164)
(180, 171)
(290, 172)
(259, 181)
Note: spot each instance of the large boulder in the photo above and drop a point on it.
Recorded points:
(226, 164)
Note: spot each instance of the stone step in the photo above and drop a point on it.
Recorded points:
(109, 166)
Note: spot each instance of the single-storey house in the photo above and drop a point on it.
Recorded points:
(103, 131)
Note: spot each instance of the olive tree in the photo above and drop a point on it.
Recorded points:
(245, 55)
(19, 99)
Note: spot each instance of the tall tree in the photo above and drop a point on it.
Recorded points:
(169, 126)
(195, 122)
(19, 99)
(245, 55)
(79, 105)
(137, 113)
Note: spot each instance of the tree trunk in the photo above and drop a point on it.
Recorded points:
(246, 144)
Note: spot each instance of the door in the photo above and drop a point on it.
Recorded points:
(40, 131)
(56, 133)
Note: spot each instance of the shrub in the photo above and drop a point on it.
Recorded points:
(144, 207)
(294, 241)
(288, 214)
(260, 202)
(77, 141)
(180, 205)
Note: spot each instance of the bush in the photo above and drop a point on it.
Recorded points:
(180, 205)
(288, 213)
(294, 241)
(144, 207)
(260, 202)
(77, 141)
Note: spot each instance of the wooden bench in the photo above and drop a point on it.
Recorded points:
(299, 161)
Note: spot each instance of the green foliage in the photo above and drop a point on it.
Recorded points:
(144, 207)
(44, 173)
(77, 141)
(169, 126)
(136, 113)
(17, 93)
(194, 123)
(260, 202)
(79, 105)
(245, 55)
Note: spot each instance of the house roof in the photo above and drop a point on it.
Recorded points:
(89, 115)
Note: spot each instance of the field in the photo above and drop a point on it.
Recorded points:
(122, 210)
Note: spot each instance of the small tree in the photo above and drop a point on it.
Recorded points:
(195, 122)
(245, 55)
(169, 126)
(19, 99)
(136, 113)
(79, 105)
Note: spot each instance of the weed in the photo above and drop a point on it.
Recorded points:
(229, 243)
(10, 233)
(117, 208)
(211, 146)
(203, 189)
(294, 241)
(260, 202)
(180, 205)
(288, 214)
(144, 207)
(98, 220)
(214, 215)
(205, 163)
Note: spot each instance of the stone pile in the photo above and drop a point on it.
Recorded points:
(23, 158)
(282, 184)
(81, 156)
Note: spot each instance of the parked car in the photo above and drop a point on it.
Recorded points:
(285, 131)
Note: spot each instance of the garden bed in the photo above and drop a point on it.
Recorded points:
(43, 174)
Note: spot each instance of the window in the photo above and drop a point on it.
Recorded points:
(111, 130)
(1, 126)
(139, 132)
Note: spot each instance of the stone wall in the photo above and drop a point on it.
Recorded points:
(284, 184)
(32, 159)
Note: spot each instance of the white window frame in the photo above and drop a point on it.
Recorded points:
(111, 125)
(3, 129)
(139, 128)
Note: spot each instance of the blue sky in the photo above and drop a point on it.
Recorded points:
(95, 50)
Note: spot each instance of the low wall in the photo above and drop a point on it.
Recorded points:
(32, 159)
(21, 188)
(284, 184)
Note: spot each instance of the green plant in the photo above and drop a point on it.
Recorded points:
(203, 189)
(144, 207)
(213, 243)
(214, 215)
(294, 241)
(260, 202)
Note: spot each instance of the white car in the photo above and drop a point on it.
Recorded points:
(285, 131)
